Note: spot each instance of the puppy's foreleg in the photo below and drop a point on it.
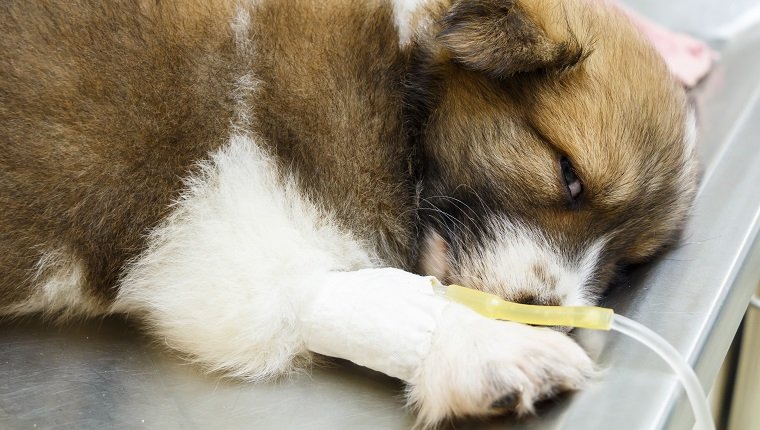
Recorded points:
(457, 363)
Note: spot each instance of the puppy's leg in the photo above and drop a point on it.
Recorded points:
(482, 367)
(457, 363)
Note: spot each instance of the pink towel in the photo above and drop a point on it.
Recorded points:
(687, 58)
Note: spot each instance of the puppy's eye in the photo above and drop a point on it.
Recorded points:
(573, 184)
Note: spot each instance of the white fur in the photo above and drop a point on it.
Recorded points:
(241, 25)
(245, 85)
(691, 131)
(506, 267)
(403, 14)
(433, 258)
(223, 276)
(688, 166)
(582, 274)
(59, 289)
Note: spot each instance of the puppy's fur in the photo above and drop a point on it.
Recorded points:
(197, 163)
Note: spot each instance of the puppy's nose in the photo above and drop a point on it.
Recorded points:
(530, 300)
(533, 299)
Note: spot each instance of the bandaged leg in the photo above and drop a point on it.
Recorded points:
(457, 363)
(383, 319)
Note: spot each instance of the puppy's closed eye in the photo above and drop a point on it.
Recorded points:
(572, 182)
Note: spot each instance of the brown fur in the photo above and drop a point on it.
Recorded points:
(325, 101)
(105, 107)
(502, 38)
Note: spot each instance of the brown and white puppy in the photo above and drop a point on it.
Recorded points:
(237, 173)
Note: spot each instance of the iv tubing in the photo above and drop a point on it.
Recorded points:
(492, 306)
(689, 380)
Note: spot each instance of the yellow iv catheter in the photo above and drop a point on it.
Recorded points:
(591, 317)
(491, 306)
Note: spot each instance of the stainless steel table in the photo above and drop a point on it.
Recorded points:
(104, 374)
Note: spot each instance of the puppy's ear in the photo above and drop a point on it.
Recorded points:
(504, 37)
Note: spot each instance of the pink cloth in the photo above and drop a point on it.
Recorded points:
(687, 58)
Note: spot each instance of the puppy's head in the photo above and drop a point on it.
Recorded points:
(556, 147)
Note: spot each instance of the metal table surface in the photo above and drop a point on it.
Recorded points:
(104, 374)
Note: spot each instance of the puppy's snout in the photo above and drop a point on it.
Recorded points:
(530, 298)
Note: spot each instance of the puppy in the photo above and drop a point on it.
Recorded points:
(259, 180)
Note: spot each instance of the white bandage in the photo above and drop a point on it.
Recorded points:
(383, 319)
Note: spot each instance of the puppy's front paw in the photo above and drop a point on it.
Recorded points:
(481, 367)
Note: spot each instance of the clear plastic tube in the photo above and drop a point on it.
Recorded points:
(688, 378)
